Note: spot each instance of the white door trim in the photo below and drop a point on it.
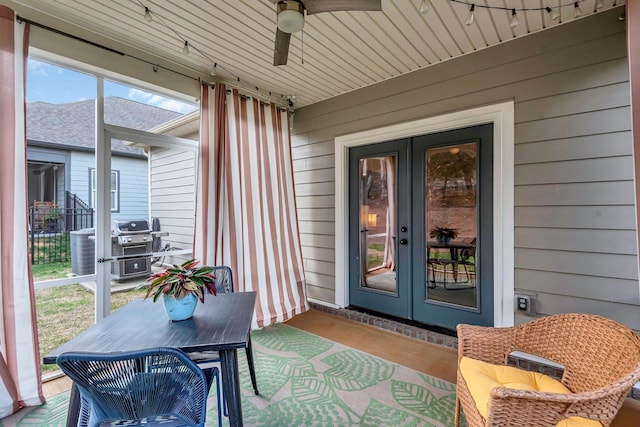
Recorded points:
(502, 116)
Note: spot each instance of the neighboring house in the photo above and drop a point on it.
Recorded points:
(61, 154)
(172, 177)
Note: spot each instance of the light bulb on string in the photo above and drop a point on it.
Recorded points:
(514, 19)
(599, 4)
(425, 6)
(185, 49)
(472, 16)
(147, 15)
(553, 14)
(577, 12)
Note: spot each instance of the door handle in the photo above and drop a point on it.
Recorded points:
(403, 241)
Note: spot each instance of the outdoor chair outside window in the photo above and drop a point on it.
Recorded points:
(601, 360)
(153, 387)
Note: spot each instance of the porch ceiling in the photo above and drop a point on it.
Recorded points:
(343, 51)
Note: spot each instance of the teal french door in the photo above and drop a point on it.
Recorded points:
(421, 227)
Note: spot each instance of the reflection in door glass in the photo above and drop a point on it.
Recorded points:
(451, 224)
(378, 223)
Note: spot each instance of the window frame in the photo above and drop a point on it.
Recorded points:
(115, 192)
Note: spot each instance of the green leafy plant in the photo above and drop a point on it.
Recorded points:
(53, 214)
(443, 232)
(180, 280)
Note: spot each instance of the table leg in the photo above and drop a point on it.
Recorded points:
(73, 412)
(231, 385)
(252, 369)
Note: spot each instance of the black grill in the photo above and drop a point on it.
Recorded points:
(130, 238)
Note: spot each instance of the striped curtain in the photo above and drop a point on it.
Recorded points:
(633, 54)
(19, 366)
(246, 214)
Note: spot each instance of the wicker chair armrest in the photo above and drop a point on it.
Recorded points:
(600, 405)
(488, 344)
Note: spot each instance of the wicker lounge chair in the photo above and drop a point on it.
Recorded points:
(601, 360)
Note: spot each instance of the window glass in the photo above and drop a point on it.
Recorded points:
(114, 190)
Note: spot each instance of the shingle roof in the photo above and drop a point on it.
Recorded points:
(73, 124)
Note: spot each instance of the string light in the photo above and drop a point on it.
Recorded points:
(150, 16)
(599, 4)
(576, 10)
(424, 6)
(553, 14)
(147, 15)
(514, 19)
(472, 16)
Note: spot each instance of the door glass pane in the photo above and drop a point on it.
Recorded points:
(451, 224)
(377, 206)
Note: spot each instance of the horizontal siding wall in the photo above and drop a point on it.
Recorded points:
(133, 175)
(575, 241)
(172, 180)
(134, 188)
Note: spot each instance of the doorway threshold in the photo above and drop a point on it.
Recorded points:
(423, 332)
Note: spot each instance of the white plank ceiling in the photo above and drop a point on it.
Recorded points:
(342, 51)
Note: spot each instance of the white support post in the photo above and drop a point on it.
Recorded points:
(103, 209)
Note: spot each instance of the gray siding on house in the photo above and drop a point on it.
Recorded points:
(575, 238)
(133, 181)
(173, 200)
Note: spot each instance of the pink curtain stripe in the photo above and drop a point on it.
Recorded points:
(19, 365)
(256, 230)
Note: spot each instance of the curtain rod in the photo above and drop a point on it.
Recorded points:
(156, 66)
(100, 46)
(259, 96)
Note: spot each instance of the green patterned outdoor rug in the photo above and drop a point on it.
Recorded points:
(306, 380)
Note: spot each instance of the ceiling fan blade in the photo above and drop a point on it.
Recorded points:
(281, 50)
(319, 6)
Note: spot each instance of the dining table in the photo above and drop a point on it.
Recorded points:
(222, 323)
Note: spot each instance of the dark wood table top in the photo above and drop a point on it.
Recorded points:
(223, 322)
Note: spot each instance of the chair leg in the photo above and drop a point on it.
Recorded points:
(213, 374)
(220, 398)
(456, 418)
(252, 369)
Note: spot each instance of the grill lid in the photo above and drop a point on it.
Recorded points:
(119, 227)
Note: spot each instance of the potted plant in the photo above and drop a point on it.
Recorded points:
(51, 219)
(443, 234)
(181, 286)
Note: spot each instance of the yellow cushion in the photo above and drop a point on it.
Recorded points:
(482, 377)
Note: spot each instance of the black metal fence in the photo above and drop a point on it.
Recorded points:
(50, 228)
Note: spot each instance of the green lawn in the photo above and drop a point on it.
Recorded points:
(65, 311)
(50, 270)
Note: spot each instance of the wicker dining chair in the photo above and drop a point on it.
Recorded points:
(601, 360)
(153, 387)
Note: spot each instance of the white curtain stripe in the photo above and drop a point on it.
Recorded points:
(20, 364)
(255, 230)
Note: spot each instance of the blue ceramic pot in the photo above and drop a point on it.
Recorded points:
(180, 309)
